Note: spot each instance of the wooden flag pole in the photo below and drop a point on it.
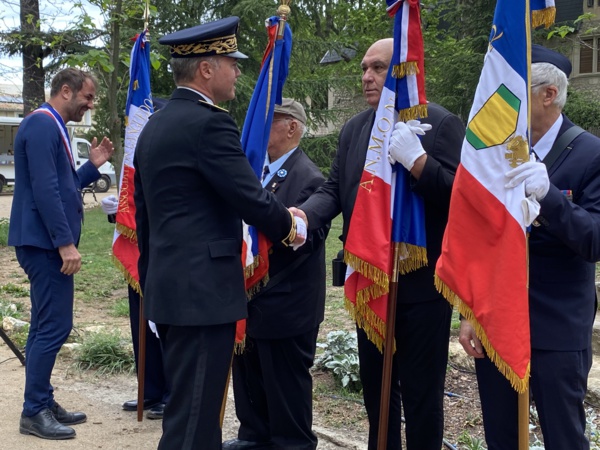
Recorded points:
(388, 354)
(524, 420)
(141, 361)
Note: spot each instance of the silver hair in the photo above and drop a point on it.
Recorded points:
(184, 69)
(545, 74)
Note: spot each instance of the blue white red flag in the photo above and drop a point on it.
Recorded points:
(137, 111)
(386, 213)
(483, 266)
(255, 137)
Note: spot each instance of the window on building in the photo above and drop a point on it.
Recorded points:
(589, 58)
(590, 3)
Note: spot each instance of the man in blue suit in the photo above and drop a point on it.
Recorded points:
(45, 226)
(564, 246)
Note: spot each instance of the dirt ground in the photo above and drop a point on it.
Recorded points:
(339, 422)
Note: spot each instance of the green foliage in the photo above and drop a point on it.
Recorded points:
(4, 222)
(12, 309)
(321, 150)
(469, 442)
(583, 109)
(98, 277)
(13, 290)
(456, 38)
(340, 356)
(19, 337)
(120, 308)
(108, 353)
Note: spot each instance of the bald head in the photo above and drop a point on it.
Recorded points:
(375, 66)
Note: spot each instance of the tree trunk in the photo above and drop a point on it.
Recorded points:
(33, 68)
(113, 88)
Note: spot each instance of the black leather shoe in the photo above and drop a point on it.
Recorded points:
(240, 444)
(131, 405)
(156, 412)
(45, 425)
(67, 418)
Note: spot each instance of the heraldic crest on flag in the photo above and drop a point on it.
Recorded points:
(137, 111)
(388, 219)
(483, 266)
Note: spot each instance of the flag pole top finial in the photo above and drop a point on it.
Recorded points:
(284, 9)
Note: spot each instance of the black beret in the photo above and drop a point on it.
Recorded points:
(541, 54)
(208, 39)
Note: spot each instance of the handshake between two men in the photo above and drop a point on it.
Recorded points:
(110, 206)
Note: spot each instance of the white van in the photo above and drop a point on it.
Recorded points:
(79, 146)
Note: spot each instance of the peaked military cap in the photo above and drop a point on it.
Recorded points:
(541, 54)
(209, 39)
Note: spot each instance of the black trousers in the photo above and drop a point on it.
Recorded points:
(418, 375)
(155, 384)
(197, 360)
(273, 391)
(558, 385)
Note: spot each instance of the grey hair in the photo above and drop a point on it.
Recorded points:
(184, 69)
(545, 74)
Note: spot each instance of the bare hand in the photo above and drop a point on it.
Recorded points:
(99, 154)
(71, 259)
(299, 213)
(469, 341)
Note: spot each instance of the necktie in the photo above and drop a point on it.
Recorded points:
(265, 173)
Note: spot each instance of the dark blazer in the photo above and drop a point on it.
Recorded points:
(47, 209)
(442, 144)
(193, 187)
(564, 248)
(296, 303)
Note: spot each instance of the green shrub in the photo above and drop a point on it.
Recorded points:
(3, 232)
(11, 309)
(340, 356)
(120, 308)
(108, 353)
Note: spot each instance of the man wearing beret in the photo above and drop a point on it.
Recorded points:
(271, 378)
(564, 245)
(193, 188)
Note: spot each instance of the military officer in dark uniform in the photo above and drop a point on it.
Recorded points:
(193, 188)
(271, 378)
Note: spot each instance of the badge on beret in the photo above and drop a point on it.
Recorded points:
(281, 173)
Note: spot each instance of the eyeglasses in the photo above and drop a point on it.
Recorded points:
(539, 84)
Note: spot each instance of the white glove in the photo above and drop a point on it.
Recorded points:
(300, 231)
(152, 326)
(405, 146)
(110, 204)
(534, 176)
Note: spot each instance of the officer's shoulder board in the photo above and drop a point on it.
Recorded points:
(211, 106)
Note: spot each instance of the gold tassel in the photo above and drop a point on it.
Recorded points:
(239, 347)
(405, 68)
(130, 280)
(412, 113)
(518, 384)
(417, 258)
(544, 17)
(376, 275)
(127, 232)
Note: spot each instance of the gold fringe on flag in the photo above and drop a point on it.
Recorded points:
(238, 347)
(405, 68)
(518, 384)
(417, 258)
(414, 112)
(376, 275)
(544, 17)
(366, 324)
(127, 232)
(249, 271)
(130, 280)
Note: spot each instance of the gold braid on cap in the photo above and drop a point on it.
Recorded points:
(291, 237)
(220, 46)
